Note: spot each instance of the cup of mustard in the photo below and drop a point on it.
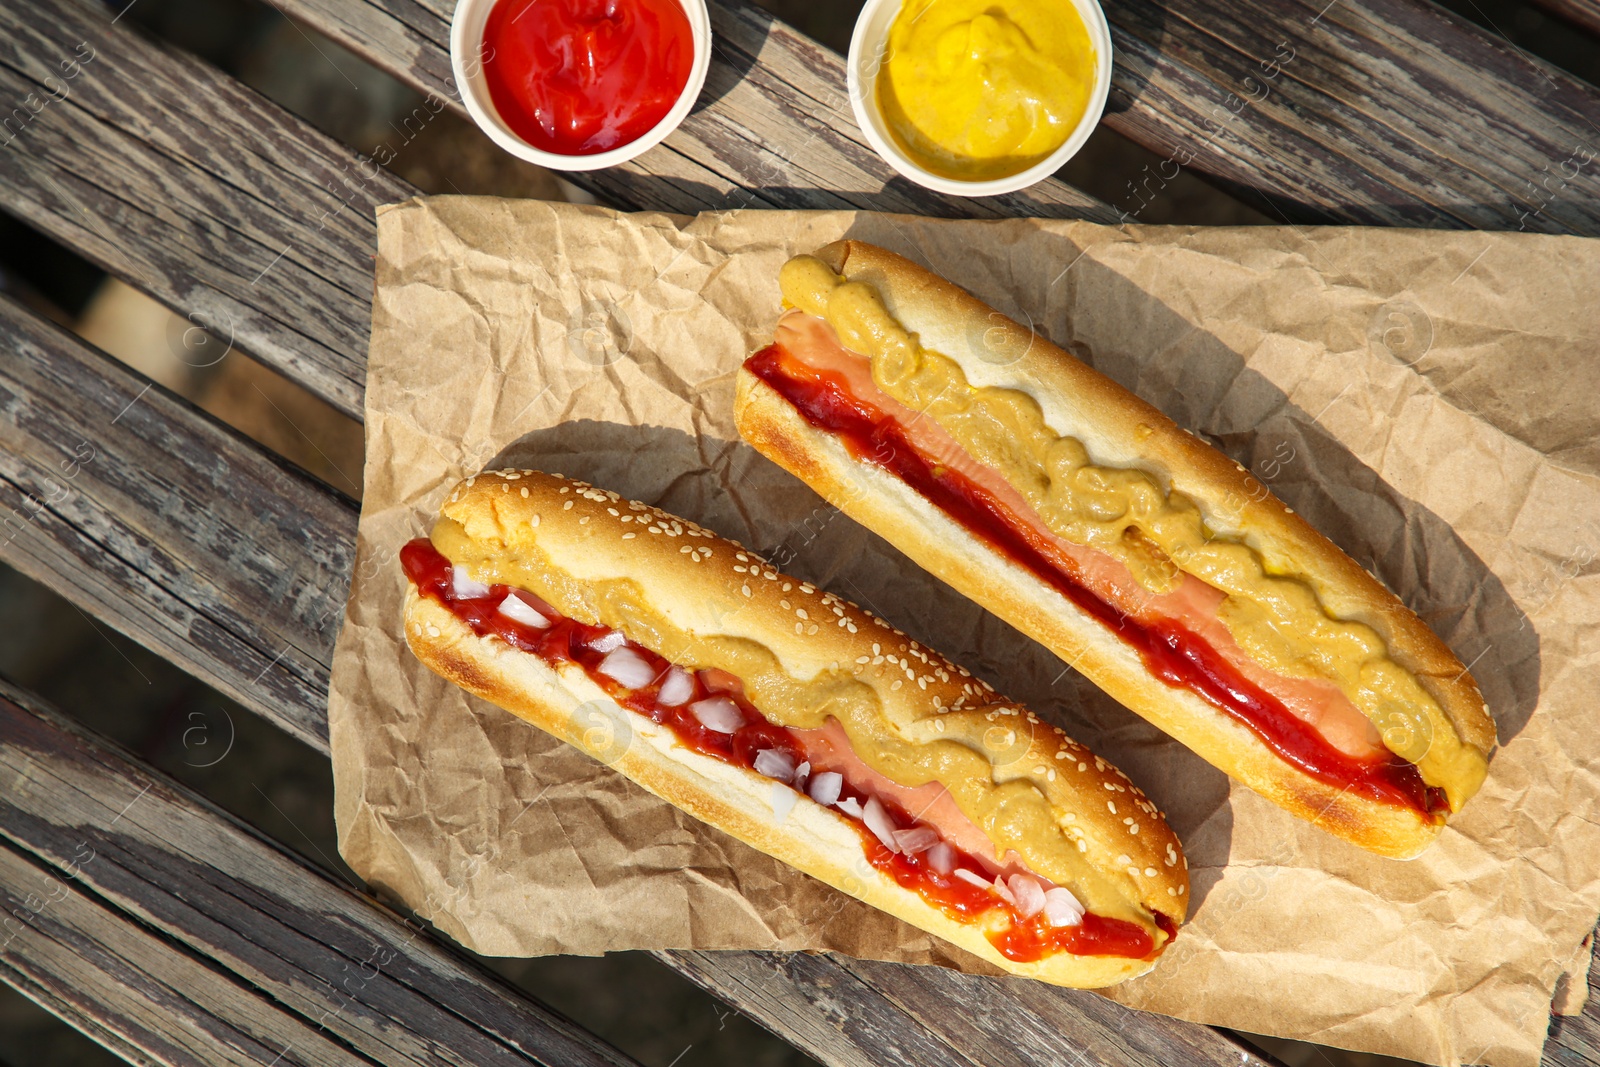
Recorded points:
(979, 97)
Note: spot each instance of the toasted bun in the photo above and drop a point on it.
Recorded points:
(576, 546)
(1112, 422)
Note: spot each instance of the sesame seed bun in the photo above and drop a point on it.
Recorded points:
(703, 601)
(1114, 423)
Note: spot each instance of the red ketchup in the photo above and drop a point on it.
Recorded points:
(577, 77)
(566, 640)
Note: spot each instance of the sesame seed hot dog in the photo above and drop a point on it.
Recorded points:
(796, 722)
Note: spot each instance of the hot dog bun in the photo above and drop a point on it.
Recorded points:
(705, 602)
(1119, 428)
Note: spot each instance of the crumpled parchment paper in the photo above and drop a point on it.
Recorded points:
(1427, 399)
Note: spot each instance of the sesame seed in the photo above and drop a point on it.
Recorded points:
(938, 725)
(745, 589)
(802, 613)
(1083, 766)
(433, 631)
(811, 629)
(613, 512)
(534, 522)
(1150, 872)
(1050, 775)
(1111, 806)
(787, 586)
(504, 488)
(1083, 846)
(629, 536)
(799, 627)
(524, 492)
(1133, 872)
(738, 570)
(897, 684)
(1182, 889)
(567, 506)
(784, 604)
(1124, 859)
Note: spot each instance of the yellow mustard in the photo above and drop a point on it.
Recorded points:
(1158, 534)
(982, 89)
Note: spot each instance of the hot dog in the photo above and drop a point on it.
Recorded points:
(1146, 559)
(796, 722)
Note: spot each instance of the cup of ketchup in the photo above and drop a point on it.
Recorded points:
(579, 84)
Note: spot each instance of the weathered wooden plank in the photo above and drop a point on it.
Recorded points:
(193, 188)
(277, 949)
(1389, 112)
(1023, 1022)
(170, 477)
(117, 496)
(1368, 111)
(138, 996)
(978, 1021)
(840, 1018)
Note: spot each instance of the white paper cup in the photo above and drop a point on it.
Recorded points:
(466, 49)
(867, 47)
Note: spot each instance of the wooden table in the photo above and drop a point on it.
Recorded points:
(173, 934)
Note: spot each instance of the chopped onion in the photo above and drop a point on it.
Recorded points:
(783, 800)
(915, 840)
(1061, 908)
(607, 641)
(516, 609)
(775, 764)
(850, 806)
(677, 689)
(721, 681)
(463, 586)
(801, 773)
(942, 858)
(879, 823)
(826, 787)
(627, 668)
(1029, 895)
(1004, 890)
(718, 713)
(972, 877)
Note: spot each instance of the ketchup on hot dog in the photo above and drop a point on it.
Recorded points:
(562, 640)
(577, 77)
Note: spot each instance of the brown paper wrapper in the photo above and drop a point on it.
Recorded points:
(1426, 399)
